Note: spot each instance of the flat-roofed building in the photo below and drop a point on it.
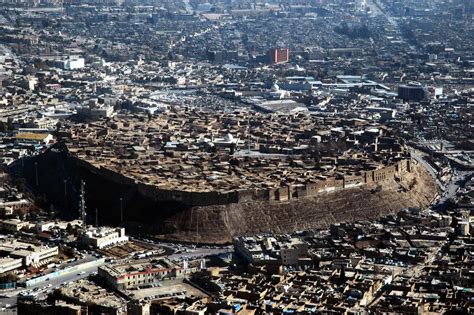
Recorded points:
(34, 138)
(103, 237)
(12, 225)
(292, 251)
(28, 253)
(14, 206)
(8, 264)
(137, 273)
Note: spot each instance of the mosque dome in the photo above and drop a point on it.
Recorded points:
(229, 137)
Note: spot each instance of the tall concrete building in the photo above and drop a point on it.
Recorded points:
(278, 55)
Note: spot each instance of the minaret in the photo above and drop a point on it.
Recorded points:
(185, 264)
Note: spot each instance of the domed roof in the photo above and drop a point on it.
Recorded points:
(229, 137)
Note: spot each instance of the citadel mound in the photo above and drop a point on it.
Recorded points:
(220, 223)
(190, 177)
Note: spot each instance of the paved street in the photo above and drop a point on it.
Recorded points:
(200, 252)
(449, 189)
(42, 288)
(453, 185)
(418, 156)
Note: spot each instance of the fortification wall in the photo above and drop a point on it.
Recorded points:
(278, 194)
(147, 209)
(221, 223)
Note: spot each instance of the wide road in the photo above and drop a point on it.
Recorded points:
(177, 251)
(44, 287)
(201, 253)
(377, 8)
(449, 188)
(418, 156)
(453, 185)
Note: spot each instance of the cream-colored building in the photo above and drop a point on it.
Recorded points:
(104, 236)
(8, 264)
(28, 253)
(12, 225)
(292, 251)
(12, 207)
(138, 273)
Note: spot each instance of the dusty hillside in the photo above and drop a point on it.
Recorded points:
(142, 213)
(221, 223)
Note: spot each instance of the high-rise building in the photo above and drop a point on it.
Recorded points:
(278, 55)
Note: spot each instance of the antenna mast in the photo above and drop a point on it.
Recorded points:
(82, 204)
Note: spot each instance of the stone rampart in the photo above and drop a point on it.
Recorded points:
(276, 194)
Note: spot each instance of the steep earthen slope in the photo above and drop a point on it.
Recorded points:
(60, 174)
(221, 223)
